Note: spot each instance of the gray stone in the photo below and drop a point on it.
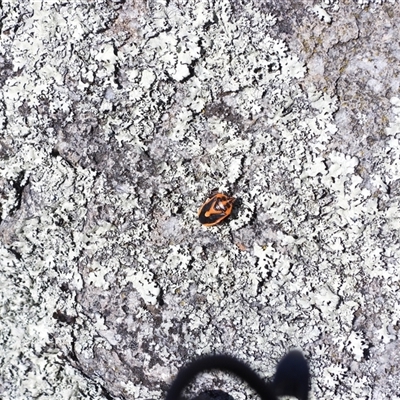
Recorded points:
(118, 119)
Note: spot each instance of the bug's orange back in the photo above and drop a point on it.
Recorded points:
(215, 209)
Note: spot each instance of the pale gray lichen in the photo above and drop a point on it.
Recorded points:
(116, 129)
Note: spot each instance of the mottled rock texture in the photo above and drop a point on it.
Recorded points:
(118, 118)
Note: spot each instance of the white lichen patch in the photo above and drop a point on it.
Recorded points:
(145, 285)
(114, 134)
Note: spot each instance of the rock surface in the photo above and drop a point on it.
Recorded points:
(119, 117)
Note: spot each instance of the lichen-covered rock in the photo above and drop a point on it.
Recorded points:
(117, 120)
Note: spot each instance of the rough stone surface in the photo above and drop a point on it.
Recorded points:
(119, 117)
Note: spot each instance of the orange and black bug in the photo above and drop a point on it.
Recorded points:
(215, 209)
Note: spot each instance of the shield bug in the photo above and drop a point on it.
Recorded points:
(216, 208)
